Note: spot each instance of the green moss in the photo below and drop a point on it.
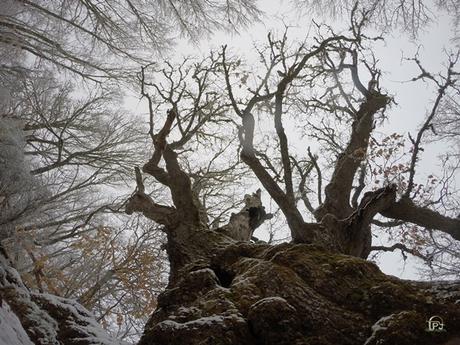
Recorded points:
(335, 298)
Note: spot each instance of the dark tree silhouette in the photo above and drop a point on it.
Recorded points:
(316, 289)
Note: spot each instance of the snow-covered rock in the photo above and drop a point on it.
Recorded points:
(28, 317)
(11, 330)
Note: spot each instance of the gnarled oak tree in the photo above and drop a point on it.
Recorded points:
(223, 289)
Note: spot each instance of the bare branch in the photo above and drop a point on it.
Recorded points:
(319, 190)
(405, 210)
(403, 248)
(159, 213)
(428, 122)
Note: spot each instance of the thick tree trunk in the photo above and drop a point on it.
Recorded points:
(225, 290)
(298, 294)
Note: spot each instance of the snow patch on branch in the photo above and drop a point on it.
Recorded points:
(203, 321)
(379, 326)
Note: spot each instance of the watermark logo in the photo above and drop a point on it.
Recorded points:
(435, 324)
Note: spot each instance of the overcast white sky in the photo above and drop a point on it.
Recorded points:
(413, 99)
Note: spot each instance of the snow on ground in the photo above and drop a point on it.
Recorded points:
(43, 316)
(84, 321)
(11, 330)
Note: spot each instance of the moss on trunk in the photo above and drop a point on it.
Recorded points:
(298, 294)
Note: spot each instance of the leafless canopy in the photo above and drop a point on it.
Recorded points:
(332, 81)
(88, 38)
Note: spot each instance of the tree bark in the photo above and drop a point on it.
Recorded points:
(251, 294)
(407, 211)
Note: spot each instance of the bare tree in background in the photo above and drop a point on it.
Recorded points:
(73, 147)
(412, 17)
(65, 164)
(99, 40)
